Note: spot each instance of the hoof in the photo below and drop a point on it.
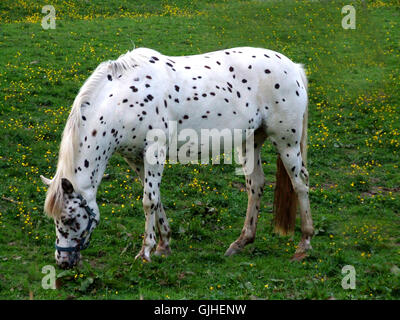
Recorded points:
(298, 256)
(302, 249)
(143, 257)
(233, 249)
(162, 251)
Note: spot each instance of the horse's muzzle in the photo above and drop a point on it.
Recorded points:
(70, 261)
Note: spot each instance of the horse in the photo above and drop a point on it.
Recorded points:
(126, 99)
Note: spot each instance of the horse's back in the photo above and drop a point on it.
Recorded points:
(239, 88)
(243, 87)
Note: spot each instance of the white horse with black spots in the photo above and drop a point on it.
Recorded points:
(123, 100)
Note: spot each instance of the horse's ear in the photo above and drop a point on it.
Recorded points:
(67, 186)
(45, 180)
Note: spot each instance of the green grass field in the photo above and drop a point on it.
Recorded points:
(354, 140)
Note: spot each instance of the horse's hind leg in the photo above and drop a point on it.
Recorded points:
(255, 181)
(292, 160)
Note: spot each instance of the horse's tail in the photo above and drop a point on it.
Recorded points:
(285, 198)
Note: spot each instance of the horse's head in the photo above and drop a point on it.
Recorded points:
(74, 224)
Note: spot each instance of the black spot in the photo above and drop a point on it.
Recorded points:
(86, 163)
(109, 77)
(277, 85)
(177, 88)
(267, 71)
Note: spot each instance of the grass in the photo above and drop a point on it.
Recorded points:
(354, 139)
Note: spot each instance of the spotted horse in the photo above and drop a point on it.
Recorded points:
(123, 100)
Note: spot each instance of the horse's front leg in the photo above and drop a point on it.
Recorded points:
(151, 206)
(162, 224)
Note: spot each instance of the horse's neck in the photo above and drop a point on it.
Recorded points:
(91, 159)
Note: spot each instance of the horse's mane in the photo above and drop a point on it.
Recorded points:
(70, 136)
